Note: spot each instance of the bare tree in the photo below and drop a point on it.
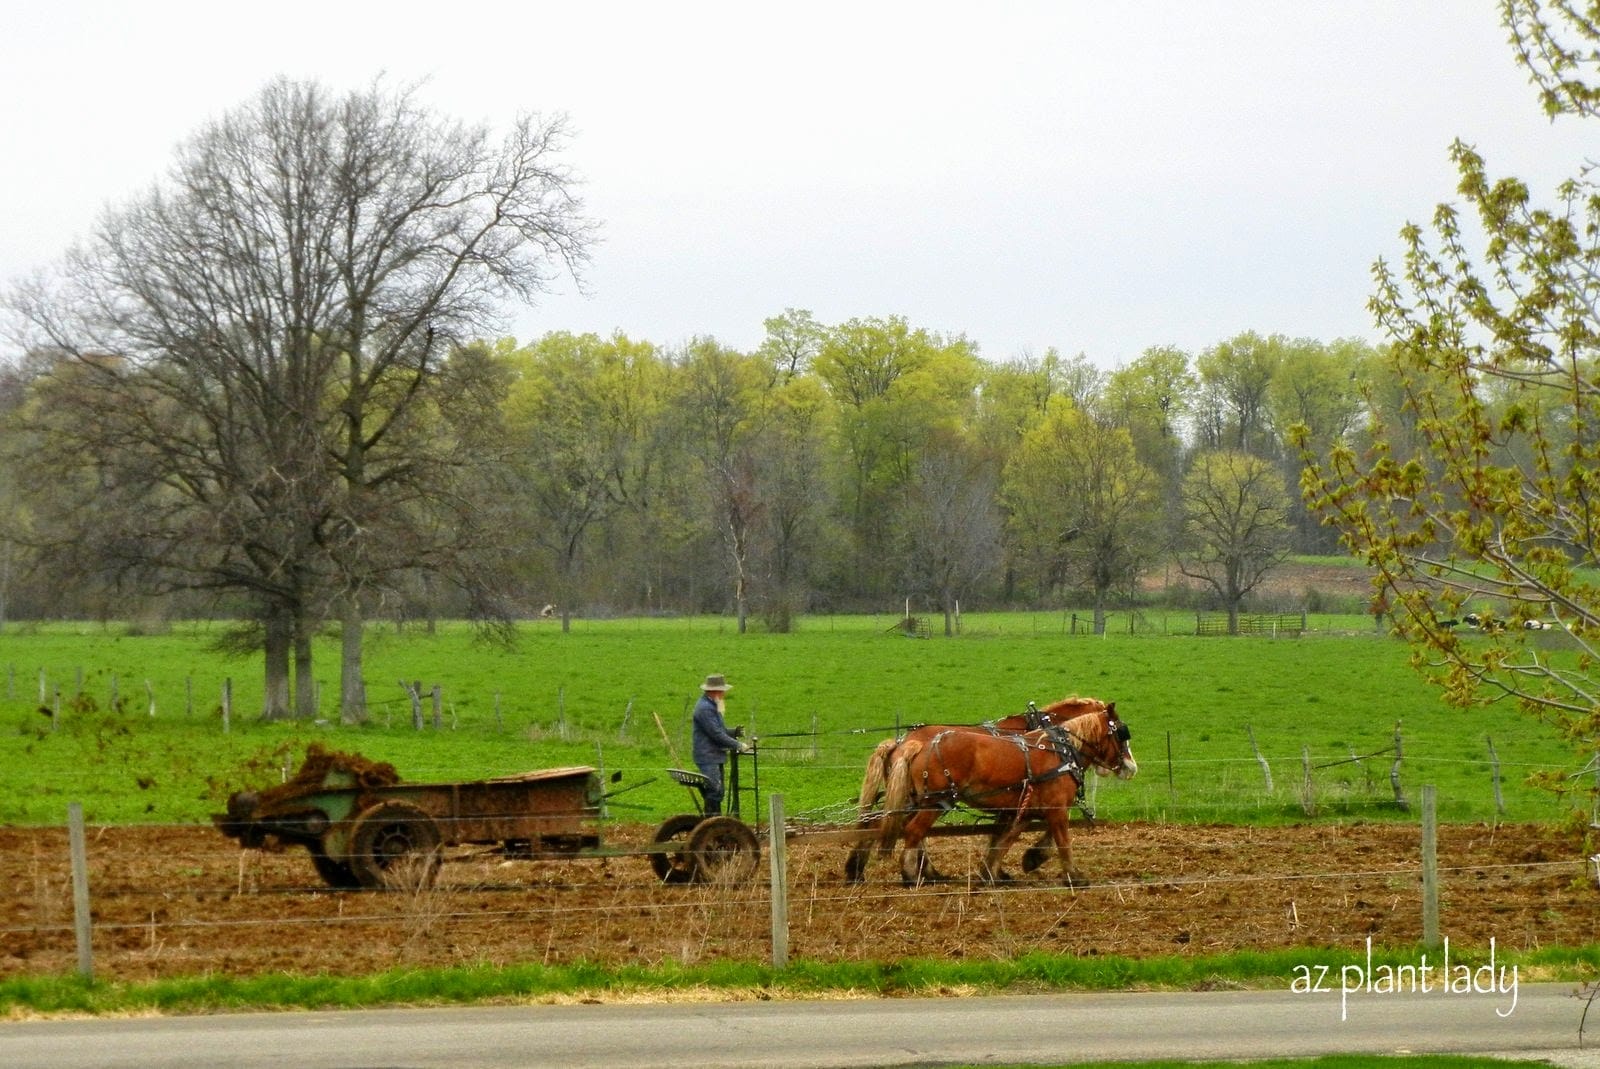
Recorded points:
(255, 357)
(952, 524)
(1236, 525)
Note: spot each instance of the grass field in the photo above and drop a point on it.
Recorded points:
(820, 699)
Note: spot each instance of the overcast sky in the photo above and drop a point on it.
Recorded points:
(1095, 177)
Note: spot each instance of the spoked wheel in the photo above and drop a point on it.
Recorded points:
(675, 866)
(394, 846)
(724, 850)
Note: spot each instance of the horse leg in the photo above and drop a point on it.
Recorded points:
(1036, 855)
(1056, 818)
(999, 843)
(914, 867)
(855, 865)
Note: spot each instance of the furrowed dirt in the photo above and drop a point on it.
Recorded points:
(174, 901)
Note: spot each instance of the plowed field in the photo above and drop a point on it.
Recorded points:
(171, 901)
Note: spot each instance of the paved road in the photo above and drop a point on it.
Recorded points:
(778, 1035)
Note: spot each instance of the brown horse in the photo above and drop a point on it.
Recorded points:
(1036, 775)
(891, 752)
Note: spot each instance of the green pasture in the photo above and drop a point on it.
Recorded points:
(819, 699)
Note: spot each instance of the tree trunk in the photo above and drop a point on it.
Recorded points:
(352, 693)
(305, 682)
(275, 700)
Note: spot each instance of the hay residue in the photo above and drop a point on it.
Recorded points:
(319, 762)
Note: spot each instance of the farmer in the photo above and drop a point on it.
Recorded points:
(713, 741)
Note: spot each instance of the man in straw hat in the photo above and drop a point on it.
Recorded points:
(712, 740)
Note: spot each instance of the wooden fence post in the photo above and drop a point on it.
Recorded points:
(227, 703)
(150, 692)
(414, 692)
(778, 851)
(1394, 772)
(80, 890)
(1430, 867)
(55, 711)
(1266, 769)
(1308, 796)
(1494, 769)
(438, 694)
(561, 712)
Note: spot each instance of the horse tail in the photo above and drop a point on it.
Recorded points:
(872, 783)
(897, 794)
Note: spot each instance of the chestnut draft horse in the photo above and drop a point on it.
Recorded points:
(890, 752)
(1037, 774)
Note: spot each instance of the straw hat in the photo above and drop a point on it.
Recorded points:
(715, 683)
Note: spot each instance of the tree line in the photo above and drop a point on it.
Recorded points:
(270, 389)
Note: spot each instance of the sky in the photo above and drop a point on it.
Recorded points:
(1098, 178)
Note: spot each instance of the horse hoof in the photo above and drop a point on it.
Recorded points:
(1033, 858)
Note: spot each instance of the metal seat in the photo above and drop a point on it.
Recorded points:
(689, 779)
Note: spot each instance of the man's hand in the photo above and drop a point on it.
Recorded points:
(745, 747)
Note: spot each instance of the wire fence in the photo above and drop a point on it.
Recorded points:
(171, 900)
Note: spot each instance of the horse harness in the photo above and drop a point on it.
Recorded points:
(1056, 740)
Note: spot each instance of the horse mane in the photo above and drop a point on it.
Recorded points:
(1060, 705)
(1090, 727)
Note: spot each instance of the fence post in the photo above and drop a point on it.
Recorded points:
(1308, 795)
(80, 890)
(561, 712)
(438, 694)
(1430, 867)
(43, 692)
(1266, 769)
(414, 692)
(1394, 772)
(778, 851)
(227, 703)
(1494, 769)
(150, 692)
(55, 712)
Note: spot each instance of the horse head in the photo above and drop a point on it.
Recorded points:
(1103, 739)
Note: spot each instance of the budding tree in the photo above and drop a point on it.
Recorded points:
(1488, 501)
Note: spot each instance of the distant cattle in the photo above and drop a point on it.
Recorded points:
(1490, 624)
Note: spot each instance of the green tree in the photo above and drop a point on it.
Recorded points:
(580, 418)
(1317, 387)
(894, 387)
(722, 398)
(1081, 507)
(1235, 376)
(1491, 312)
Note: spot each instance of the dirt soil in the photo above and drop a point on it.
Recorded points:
(172, 901)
